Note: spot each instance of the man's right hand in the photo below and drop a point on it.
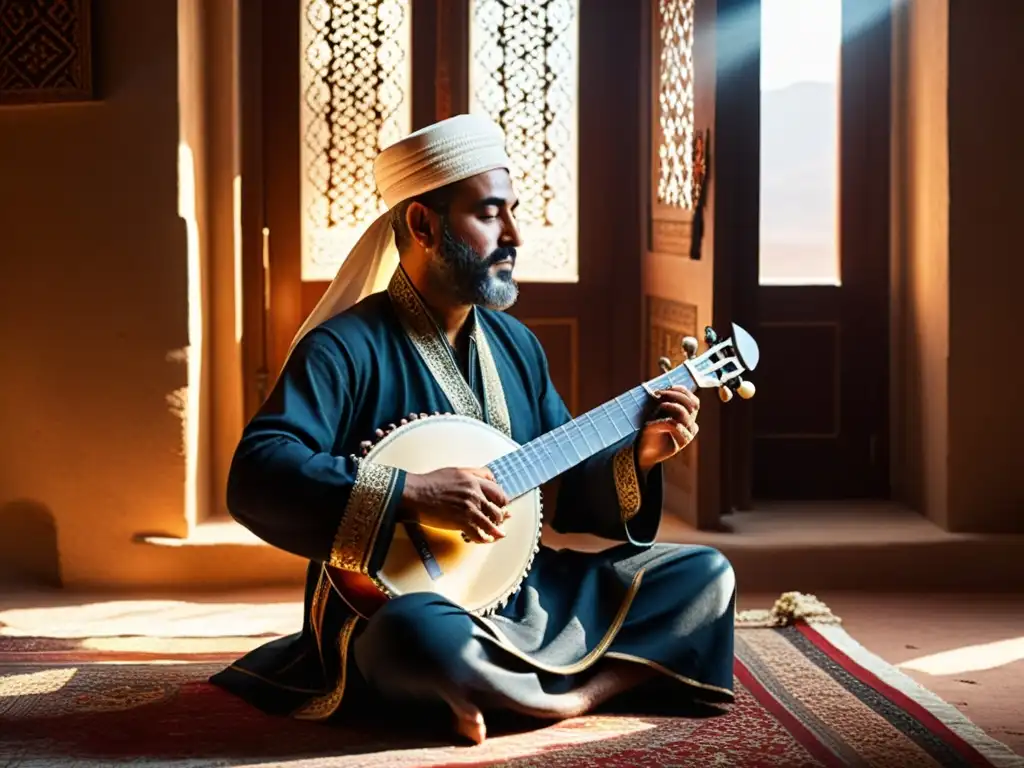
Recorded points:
(467, 500)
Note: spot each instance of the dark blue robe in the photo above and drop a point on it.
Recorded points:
(297, 482)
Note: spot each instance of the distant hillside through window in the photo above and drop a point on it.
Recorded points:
(799, 219)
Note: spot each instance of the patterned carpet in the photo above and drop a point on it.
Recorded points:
(807, 695)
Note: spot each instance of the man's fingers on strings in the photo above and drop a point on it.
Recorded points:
(484, 528)
(494, 513)
(671, 427)
(685, 433)
(679, 395)
(674, 388)
(472, 535)
(677, 413)
(482, 472)
(494, 493)
(679, 432)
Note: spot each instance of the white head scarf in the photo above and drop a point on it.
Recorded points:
(431, 158)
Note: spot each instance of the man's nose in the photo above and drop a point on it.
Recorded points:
(510, 235)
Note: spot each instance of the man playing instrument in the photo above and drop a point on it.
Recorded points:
(411, 325)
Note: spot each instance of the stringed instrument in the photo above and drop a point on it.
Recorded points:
(481, 577)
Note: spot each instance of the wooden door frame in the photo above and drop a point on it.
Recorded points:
(736, 148)
(866, 253)
(864, 192)
(255, 312)
(687, 286)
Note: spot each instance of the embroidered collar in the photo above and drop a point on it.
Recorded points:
(410, 305)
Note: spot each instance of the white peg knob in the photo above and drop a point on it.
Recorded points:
(689, 346)
(724, 394)
(746, 390)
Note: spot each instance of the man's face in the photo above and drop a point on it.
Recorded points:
(477, 253)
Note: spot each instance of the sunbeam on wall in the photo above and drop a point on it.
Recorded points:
(187, 401)
(190, 403)
(236, 252)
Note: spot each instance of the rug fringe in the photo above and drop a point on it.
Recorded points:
(788, 609)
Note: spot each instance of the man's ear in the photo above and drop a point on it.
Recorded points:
(424, 225)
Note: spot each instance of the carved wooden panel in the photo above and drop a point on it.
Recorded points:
(560, 338)
(673, 132)
(668, 322)
(355, 84)
(45, 51)
(671, 236)
(523, 73)
(798, 380)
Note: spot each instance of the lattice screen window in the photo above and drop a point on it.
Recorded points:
(675, 103)
(356, 100)
(524, 56)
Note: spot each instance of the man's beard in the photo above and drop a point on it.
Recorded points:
(465, 275)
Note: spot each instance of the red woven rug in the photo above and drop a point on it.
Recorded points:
(806, 696)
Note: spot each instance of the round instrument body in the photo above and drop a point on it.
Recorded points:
(477, 577)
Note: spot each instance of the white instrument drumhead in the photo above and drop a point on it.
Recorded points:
(478, 577)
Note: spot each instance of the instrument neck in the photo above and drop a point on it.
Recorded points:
(561, 449)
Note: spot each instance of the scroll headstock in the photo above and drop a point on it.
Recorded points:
(723, 364)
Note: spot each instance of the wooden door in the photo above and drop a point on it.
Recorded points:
(821, 412)
(392, 66)
(685, 261)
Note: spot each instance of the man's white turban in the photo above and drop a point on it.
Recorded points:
(431, 158)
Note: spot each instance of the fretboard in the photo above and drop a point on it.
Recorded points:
(561, 449)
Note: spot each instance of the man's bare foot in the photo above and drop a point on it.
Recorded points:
(613, 678)
(469, 720)
(471, 726)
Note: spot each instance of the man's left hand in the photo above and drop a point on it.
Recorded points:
(664, 437)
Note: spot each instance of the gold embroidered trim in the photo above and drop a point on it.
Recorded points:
(627, 485)
(324, 706)
(668, 672)
(268, 681)
(432, 346)
(357, 533)
(494, 392)
(317, 607)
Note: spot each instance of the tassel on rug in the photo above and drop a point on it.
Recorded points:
(788, 609)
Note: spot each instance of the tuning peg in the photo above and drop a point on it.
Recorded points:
(724, 394)
(710, 337)
(664, 364)
(689, 346)
(746, 389)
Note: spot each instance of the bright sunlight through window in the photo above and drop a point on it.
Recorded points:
(800, 48)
